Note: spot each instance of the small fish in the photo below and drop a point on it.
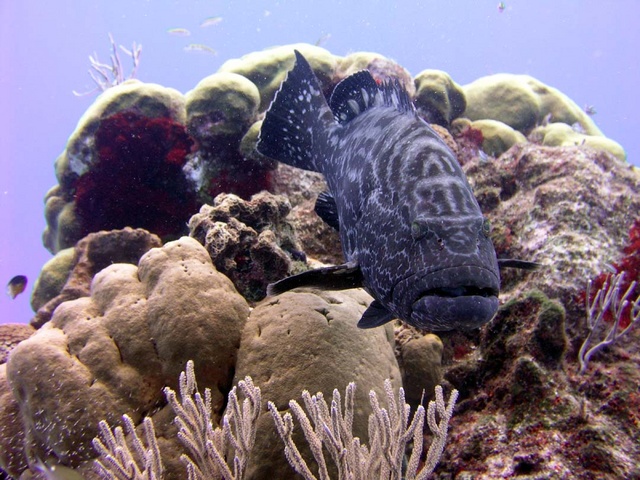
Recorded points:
(501, 7)
(16, 286)
(199, 47)
(411, 230)
(323, 39)
(179, 32)
(210, 22)
(590, 110)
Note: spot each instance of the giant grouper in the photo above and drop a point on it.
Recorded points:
(411, 229)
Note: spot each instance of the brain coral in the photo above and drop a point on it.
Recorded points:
(113, 352)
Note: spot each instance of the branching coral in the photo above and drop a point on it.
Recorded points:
(608, 302)
(212, 452)
(137, 179)
(389, 433)
(223, 452)
(106, 76)
(119, 462)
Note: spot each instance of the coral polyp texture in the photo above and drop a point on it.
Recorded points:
(120, 312)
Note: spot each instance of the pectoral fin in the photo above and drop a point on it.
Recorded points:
(375, 315)
(340, 277)
(327, 210)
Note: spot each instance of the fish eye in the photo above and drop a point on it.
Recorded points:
(419, 230)
(486, 227)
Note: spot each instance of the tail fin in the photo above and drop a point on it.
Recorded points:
(296, 127)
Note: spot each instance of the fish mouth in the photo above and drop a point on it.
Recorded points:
(455, 298)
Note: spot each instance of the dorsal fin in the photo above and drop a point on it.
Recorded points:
(298, 120)
(359, 92)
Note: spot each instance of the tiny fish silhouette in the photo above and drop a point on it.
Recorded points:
(16, 286)
(412, 232)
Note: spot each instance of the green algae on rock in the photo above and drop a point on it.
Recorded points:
(522, 102)
(563, 135)
(438, 98)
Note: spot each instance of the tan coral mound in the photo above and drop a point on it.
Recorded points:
(309, 340)
(113, 352)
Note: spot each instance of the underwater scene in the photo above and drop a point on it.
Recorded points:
(319, 240)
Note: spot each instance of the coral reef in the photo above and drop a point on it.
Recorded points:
(119, 314)
(132, 137)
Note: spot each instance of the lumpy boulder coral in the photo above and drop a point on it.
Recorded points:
(113, 352)
(68, 275)
(563, 135)
(267, 68)
(308, 340)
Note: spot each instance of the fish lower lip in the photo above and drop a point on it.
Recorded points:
(461, 291)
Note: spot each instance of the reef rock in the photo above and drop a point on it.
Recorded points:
(569, 208)
(249, 241)
(11, 334)
(113, 352)
(301, 187)
(308, 340)
(68, 275)
(382, 69)
(523, 411)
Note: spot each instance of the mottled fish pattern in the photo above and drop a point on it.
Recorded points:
(411, 229)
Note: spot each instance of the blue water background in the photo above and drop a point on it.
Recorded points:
(587, 49)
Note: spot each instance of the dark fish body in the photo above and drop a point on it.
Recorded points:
(411, 229)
